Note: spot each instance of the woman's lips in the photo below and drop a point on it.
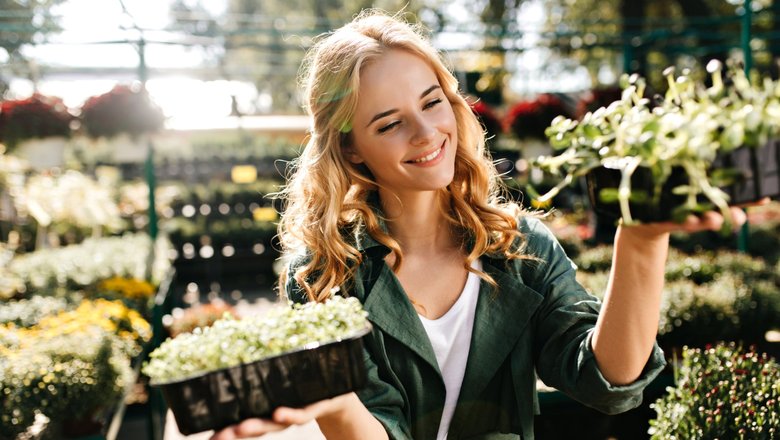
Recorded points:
(428, 157)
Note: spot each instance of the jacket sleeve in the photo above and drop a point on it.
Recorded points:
(564, 328)
(381, 399)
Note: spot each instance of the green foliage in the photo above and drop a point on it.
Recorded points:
(595, 259)
(65, 378)
(682, 134)
(21, 23)
(707, 297)
(722, 392)
(763, 239)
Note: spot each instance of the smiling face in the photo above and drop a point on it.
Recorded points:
(404, 129)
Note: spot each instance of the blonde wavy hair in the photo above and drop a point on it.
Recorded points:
(326, 196)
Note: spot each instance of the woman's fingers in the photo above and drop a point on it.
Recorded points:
(283, 417)
(708, 221)
(714, 221)
(295, 416)
(762, 202)
(299, 416)
(248, 428)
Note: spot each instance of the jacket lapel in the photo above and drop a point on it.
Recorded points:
(389, 308)
(501, 317)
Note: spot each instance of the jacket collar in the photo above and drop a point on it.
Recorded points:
(390, 309)
(501, 317)
(388, 306)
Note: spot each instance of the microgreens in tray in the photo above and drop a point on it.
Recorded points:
(230, 341)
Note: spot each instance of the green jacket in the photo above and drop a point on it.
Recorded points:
(538, 321)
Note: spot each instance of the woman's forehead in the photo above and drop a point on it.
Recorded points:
(394, 75)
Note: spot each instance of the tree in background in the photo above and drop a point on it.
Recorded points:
(264, 42)
(24, 22)
(656, 34)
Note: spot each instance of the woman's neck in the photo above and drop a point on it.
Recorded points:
(417, 223)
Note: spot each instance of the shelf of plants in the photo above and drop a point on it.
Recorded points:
(74, 324)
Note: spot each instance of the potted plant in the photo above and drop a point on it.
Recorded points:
(74, 379)
(695, 149)
(119, 118)
(721, 392)
(36, 129)
(529, 119)
(125, 109)
(218, 375)
(36, 117)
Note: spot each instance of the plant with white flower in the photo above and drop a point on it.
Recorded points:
(71, 198)
(93, 260)
(687, 130)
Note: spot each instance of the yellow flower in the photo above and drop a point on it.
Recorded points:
(131, 288)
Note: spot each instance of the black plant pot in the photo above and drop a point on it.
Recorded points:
(758, 172)
(225, 397)
(642, 183)
(755, 175)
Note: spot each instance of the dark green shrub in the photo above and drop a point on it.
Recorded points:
(722, 392)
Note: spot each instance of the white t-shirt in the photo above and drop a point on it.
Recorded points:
(450, 336)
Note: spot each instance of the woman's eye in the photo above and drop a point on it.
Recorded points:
(388, 126)
(433, 103)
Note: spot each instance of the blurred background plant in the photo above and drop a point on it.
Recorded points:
(528, 120)
(126, 109)
(36, 117)
(723, 391)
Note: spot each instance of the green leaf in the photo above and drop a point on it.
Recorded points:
(725, 176)
(610, 195)
(680, 213)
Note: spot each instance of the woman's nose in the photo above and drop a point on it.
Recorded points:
(424, 131)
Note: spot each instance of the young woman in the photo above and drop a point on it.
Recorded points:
(395, 201)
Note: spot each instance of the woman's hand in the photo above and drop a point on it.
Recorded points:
(329, 413)
(627, 327)
(709, 221)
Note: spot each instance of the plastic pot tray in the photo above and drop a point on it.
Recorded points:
(757, 170)
(224, 397)
(642, 180)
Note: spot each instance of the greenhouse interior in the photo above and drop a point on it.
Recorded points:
(189, 234)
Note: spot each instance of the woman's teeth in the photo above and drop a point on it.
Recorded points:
(428, 157)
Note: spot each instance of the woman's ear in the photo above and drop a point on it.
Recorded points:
(350, 153)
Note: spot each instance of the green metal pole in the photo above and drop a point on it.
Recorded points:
(157, 406)
(747, 53)
(151, 183)
(747, 23)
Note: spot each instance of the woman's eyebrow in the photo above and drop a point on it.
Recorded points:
(393, 110)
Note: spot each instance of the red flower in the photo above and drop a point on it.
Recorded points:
(38, 116)
(124, 109)
(529, 119)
